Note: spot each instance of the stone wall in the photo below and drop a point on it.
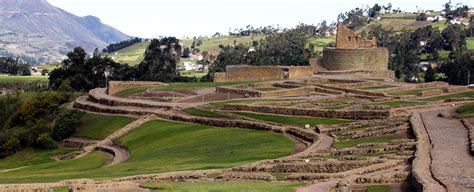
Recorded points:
(421, 171)
(470, 128)
(343, 114)
(117, 86)
(374, 59)
(360, 73)
(347, 39)
(236, 73)
(295, 72)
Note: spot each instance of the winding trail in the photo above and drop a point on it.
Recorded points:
(452, 164)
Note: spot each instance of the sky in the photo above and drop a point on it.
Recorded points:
(188, 18)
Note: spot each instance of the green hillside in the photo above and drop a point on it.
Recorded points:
(155, 147)
(211, 45)
(131, 55)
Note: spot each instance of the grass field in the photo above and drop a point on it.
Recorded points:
(211, 45)
(29, 157)
(377, 87)
(378, 188)
(470, 43)
(186, 87)
(246, 101)
(28, 79)
(293, 120)
(223, 186)
(355, 142)
(193, 74)
(131, 55)
(162, 146)
(95, 126)
(49, 67)
(203, 113)
(466, 110)
(320, 43)
(449, 96)
(402, 103)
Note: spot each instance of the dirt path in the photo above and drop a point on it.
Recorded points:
(452, 163)
(323, 186)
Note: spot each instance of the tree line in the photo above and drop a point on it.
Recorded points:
(120, 45)
(14, 66)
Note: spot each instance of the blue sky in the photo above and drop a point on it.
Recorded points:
(152, 18)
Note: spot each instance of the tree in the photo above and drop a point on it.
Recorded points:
(459, 66)
(421, 17)
(186, 52)
(65, 125)
(430, 74)
(454, 38)
(160, 61)
(374, 10)
(354, 19)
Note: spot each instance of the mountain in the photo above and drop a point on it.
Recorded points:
(42, 33)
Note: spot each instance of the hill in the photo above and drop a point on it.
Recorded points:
(42, 33)
(133, 54)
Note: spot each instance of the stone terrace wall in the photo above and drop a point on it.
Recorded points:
(374, 59)
(287, 92)
(471, 134)
(343, 114)
(295, 72)
(236, 73)
(117, 86)
(422, 176)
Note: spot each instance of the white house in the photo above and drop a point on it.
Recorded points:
(436, 18)
(189, 66)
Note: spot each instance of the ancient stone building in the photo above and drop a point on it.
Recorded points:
(355, 53)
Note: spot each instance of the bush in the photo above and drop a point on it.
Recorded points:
(65, 125)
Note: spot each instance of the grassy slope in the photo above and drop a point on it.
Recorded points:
(43, 79)
(449, 96)
(401, 103)
(466, 110)
(320, 43)
(30, 157)
(162, 146)
(223, 186)
(131, 55)
(97, 126)
(211, 45)
(203, 113)
(293, 120)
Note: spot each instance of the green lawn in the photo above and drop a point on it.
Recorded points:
(470, 43)
(182, 87)
(196, 74)
(355, 142)
(378, 188)
(223, 186)
(28, 79)
(97, 126)
(377, 87)
(163, 146)
(293, 120)
(449, 96)
(401, 103)
(29, 157)
(466, 110)
(247, 101)
(203, 113)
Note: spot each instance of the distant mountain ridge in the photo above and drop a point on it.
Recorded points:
(42, 33)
